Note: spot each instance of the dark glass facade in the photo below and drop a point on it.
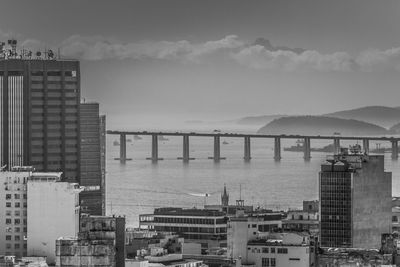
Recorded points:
(92, 173)
(39, 117)
(335, 198)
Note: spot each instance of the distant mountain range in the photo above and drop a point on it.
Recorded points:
(259, 120)
(321, 125)
(360, 121)
(379, 115)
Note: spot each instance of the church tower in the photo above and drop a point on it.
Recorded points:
(225, 198)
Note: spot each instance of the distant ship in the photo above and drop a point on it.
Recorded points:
(225, 142)
(299, 147)
(137, 137)
(116, 143)
(162, 138)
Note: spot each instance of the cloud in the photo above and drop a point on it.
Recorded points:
(100, 48)
(377, 60)
(259, 55)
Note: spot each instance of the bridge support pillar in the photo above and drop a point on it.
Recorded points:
(366, 146)
(307, 148)
(336, 146)
(122, 149)
(185, 154)
(395, 149)
(217, 149)
(247, 152)
(154, 149)
(277, 149)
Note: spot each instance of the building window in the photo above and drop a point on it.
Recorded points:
(16, 196)
(8, 204)
(17, 238)
(8, 237)
(8, 196)
(282, 250)
(8, 246)
(273, 262)
(8, 221)
(17, 221)
(17, 213)
(264, 250)
(272, 250)
(394, 219)
(25, 196)
(17, 229)
(8, 213)
(17, 204)
(264, 262)
(16, 246)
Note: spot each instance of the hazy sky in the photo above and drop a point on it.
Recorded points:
(197, 59)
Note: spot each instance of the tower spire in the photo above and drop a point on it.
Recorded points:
(225, 197)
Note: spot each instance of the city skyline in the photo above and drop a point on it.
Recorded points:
(189, 60)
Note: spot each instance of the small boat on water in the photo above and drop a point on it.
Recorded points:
(225, 142)
(137, 137)
(116, 143)
(162, 138)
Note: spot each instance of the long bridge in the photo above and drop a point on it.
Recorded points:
(247, 143)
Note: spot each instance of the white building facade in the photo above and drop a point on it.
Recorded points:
(241, 230)
(289, 250)
(53, 212)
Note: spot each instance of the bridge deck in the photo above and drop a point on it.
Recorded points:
(291, 136)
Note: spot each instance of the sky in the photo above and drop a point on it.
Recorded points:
(184, 60)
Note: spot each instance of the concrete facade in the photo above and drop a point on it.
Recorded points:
(206, 227)
(241, 230)
(281, 250)
(53, 211)
(100, 242)
(13, 211)
(355, 201)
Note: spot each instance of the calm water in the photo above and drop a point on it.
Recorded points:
(139, 186)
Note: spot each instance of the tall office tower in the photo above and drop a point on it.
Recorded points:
(103, 162)
(355, 200)
(92, 159)
(39, 114)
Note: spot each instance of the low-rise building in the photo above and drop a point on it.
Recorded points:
(53, 211)
(100, 242)
(13, 211)
(207, 227)
(396, 219)
(281, 250)
(338, 257)
(244, 228)
(300, 221)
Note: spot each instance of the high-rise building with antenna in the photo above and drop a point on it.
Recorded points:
(39, 115)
